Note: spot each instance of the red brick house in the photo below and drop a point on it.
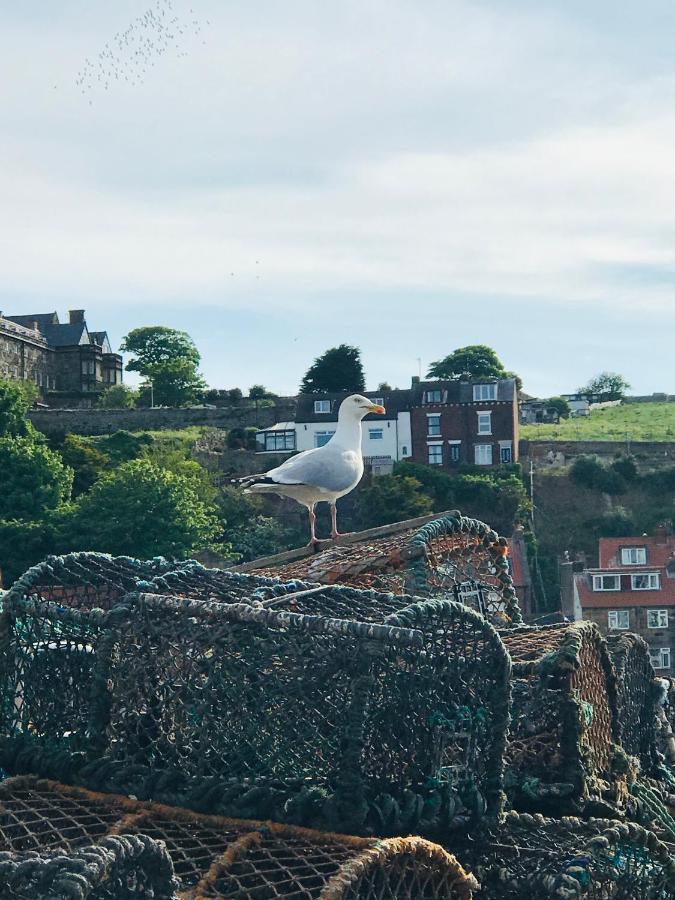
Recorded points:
(633, 589)
(473, 421)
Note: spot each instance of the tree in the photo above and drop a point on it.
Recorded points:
(144, 511)
(168, 359)
(608, 385)
(118, 396)
(339, 369)
(87, 462)
(34, 479)
(476, 361)
(385, 387)
(590, 472)
(15, 401)
(560, 405)
(123, 446)
(391, 498)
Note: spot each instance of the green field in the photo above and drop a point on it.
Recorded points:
(632, 421)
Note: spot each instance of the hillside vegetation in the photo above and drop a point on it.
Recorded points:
(638, 421)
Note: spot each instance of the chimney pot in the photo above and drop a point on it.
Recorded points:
(75, 316)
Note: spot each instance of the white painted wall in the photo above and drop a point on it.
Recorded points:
(396, 435)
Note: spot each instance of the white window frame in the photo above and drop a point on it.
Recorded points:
(455, 451)
(427, 397)
(617, 616)
(438, 460)
(320, 407)
(431, 433)
(653, 581)
(657, 618)
(640, 554)
(378, 401)
(318, 434)
(484, 392)
(482, 415)
(599, 583)
(376, 431)
(660, 657)
(477, 448)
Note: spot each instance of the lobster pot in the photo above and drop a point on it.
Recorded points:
(179, 853)
(562, 750)
(451, 557)
(637, 699)
(529, 856)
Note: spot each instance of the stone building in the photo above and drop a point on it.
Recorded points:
(632, 589)
(69, 364)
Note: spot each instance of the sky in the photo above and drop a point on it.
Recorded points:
(406, 177)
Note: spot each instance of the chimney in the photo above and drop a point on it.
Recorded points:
(569, 606)
(75, 316)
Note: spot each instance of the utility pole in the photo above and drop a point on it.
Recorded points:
(532, 490)
(152, 394)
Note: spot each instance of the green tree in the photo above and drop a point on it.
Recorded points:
(87, 462)
(385, 387)
(123, 446)
(608, 385)
(338, 369)
(590, 472)
(34, 479)
(24, 544)
(475, 361)
(142, 510)
(390, 498)
(15, 401)
(168, 359)
(560, 405)
(118, 396)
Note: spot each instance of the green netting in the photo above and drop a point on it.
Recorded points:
(563, 751)
(529, 856)
(261, 712)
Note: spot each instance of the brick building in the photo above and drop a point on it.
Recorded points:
(473, 421)
(633, 589)
(69, 364)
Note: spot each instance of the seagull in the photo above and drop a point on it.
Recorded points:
(324, 474)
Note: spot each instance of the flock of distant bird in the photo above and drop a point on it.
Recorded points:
(130, 55)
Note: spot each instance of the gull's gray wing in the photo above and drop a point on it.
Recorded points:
(322, 467)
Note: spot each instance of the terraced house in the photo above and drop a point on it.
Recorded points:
(67, 362)
(633, 589)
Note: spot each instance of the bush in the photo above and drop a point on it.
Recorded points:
(241, 438)
(34, 479)
(87, 463)
(118, 396)
(589, 472)
(625, 468)
(390, 498)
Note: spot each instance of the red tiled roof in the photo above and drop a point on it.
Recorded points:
(591, 599)
(659, 553)
(517, 565)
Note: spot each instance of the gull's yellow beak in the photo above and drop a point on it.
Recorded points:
(376, 408)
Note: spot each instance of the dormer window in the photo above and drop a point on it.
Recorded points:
(633, 556)
(484, 392)
(378, 401)
(432, 396)
(322, 406)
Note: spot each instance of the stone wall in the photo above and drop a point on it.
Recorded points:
(107, 421)
(647, 454)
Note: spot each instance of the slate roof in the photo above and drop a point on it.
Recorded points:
(66, 335)
(100, 338)
(393, 401)
(590, 599)
(42, 319)
(462, 391)
(659, 553)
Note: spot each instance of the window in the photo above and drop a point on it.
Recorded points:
(432, 397)
(505, 454)
(278, 440)
(657, 618)
(435, 454)
(376, 434)
(111, 376)
(660, 657)
(606, 582)
(322, 437)
(484, 423)
(454, 451)
(618, 619)
(434, 425)
(322, 406)
(485, 392)
(648, 582)
(88, 366)
(634, 556)
(483, 454)
(378, 401)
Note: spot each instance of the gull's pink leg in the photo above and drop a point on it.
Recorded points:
(333, 518)
(312, 526)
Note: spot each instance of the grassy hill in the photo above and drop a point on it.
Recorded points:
(638, 421)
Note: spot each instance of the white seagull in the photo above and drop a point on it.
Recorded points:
(326, 473)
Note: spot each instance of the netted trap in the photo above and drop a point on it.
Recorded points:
(637, 699)
(563, 749)
(208, 856)
(529, 857)
(451, 557)
(258, 712)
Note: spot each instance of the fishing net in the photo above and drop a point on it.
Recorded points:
(562, 747)
(208, 856)
(529, 856)
(261, 712)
